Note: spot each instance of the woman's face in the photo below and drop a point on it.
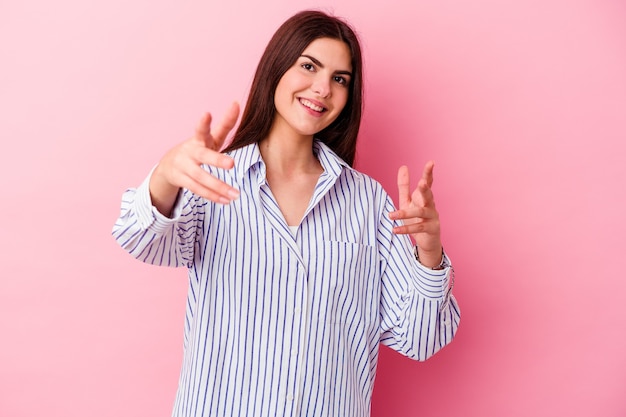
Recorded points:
(314, 91)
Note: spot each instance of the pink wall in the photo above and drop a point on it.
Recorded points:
(522, 104)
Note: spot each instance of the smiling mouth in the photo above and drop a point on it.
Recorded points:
(311, 105)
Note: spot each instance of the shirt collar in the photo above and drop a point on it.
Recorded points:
(250, 156)
(245, 158)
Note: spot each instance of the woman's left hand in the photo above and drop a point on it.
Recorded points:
(419, 215)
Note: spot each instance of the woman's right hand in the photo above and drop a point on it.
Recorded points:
(180, 166)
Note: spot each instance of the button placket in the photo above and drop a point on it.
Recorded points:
(299, 319)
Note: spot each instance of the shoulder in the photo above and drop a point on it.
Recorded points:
(360, 181)
(334, 165)
(357, 176)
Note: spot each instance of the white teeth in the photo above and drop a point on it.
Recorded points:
(310, 105)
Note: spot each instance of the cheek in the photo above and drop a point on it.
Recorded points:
(281, 94)
(290, 80)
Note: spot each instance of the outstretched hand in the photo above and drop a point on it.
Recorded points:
(181, 167)
(418, 214)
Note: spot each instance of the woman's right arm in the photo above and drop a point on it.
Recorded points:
(158, 220)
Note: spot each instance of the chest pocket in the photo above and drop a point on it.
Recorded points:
(344, 284)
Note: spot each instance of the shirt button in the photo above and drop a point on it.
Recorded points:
(290, 397)
(293, 352)
(297, 310)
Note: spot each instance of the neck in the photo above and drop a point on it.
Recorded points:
(288, 153)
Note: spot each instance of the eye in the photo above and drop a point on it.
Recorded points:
(307, 66)
(340, 80)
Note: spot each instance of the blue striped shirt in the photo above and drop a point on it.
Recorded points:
(289, 324)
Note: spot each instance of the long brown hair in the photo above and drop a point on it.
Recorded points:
(291, 38)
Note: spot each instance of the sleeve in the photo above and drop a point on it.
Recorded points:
(153, 238)
(419, 314)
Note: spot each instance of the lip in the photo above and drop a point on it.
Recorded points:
(315, 103)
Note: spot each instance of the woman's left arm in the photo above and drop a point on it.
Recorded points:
(419, 315)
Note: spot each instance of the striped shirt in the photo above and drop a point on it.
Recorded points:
(283, 323)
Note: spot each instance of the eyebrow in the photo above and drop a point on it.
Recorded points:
(319, 64)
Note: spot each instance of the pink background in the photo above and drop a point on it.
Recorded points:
(522, 104)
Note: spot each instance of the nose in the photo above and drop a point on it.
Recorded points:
(321, 87)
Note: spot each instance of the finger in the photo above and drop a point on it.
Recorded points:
(427, 174)
(423, 194)
(404, 190)
(213, 158)
(206, 185)
(203, 131)
(226, 125)
(208, 194)
(431, 227)
(414, 212)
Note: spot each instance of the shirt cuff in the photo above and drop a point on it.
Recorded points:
(439, 280)
(148, 216)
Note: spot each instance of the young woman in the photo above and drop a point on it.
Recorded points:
(299, 266)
